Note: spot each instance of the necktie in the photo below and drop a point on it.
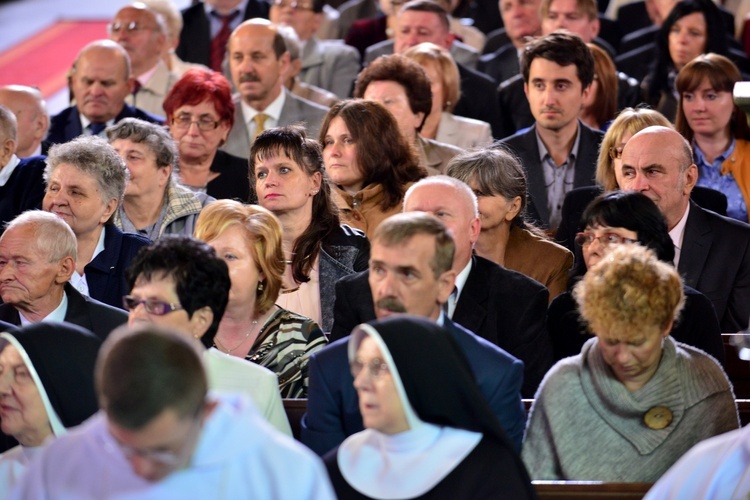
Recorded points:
(136, 87)
(96, 128)
(447, 304)
(260, 121)
(219, 43)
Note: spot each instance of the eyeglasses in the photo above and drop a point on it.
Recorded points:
(375, 368)
(205, 124)
(293, 4)
(129, 28)
(615, 152)
(585, 239)
(152, 306)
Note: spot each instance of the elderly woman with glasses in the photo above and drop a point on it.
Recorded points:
(200, 114)
(155, 203)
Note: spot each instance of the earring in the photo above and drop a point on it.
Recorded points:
(260, 286)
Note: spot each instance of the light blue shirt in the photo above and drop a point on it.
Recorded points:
(709, 175)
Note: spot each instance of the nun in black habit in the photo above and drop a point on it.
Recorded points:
(46, 386)
(429, 433)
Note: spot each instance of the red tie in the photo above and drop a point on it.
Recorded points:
(219, 43)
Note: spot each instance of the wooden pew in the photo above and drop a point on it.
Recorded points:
(294, 409)
(589, 489)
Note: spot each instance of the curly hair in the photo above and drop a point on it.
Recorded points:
(628, 293)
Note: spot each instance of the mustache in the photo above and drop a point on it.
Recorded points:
(390, 304)
(249, 77)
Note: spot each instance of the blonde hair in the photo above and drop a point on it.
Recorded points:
(429, 53)
(262, 232)
(628, 293)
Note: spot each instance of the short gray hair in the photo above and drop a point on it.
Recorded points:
(93, 156)
(291, 40)
(154, 136)
(444, 180)
(8, 124)
(51, 234)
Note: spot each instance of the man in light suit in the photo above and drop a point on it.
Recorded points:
(559, 152)
(502, 306)
(712, 253)
(38, 251)
(258, 61)
(100, 80)
(328, 64)
(410, 272)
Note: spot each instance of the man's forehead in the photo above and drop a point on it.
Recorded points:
(419, 18)
(391, 254)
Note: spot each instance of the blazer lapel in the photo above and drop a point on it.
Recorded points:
(73, 126)
(535, 173)
(471, 310)
(587, 158)
(696, 243)
(9, 314)
(312, 55)
(77, 312)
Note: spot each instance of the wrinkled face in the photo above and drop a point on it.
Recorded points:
(27, 276)
(256, 71)
(687, 39)
(76, 197)
(283, 186)
(393, 96)
(454, 210)
(651, 165)
(146, 178)
(521, 18)
(297, 14)
(634, 361)
(100, 85)
(565, 14)
(708, 111)
(436, 85)
(605, 238)
(143, 44)
(414, 27)
(379, 404)
(22, 411)
(340, 156)
(29, 118)
(494, 210)
(161, 447)
(555, 94)
(193, 143)
(162, 288)
(402, 281)
(234, 249)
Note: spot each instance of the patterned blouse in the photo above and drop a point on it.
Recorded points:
(284, 345)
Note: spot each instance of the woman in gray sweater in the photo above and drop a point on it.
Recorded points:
(634, 400)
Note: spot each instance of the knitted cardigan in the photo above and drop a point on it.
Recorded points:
(586, 425)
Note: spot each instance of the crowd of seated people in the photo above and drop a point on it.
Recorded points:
(230, 244)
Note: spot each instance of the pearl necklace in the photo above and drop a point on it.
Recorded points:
(218, 343)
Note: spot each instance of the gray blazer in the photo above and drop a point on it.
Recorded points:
(462, 53)
(295, 110)
(331, 65)
(463, 132)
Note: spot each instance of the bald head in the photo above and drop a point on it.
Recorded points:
(101, 80)
(658, 162)
(7, 135)
(30, 110)
(142, 33)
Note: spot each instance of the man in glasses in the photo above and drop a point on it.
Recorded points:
(327, 64)
(143, 34)
(160, 434)
(38, 251)
(100, 81)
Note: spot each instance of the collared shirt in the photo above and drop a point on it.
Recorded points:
(8, 169)
(678, 234)
(215, 23)
(709, 175)
(144, 77)
(558, 179)
(79, 280)
(458, 288)
(57, 316)
(273, 111)
(85, 122)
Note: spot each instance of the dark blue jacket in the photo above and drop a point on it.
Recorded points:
(24, 189)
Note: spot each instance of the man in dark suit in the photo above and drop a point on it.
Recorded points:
(501, 306)
(202, 21)
(258, 61)
(712, 252)
(559, 152)
(37, 258)
(410, 272)
(100, 80)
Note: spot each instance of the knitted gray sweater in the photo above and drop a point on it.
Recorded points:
(586, 425)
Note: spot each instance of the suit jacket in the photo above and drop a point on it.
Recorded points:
(83, 311)
(501, 306)
(715, 259)
(526, 147)
(24, 189)
(365, 32)
(434, 156)
(633, 16)
(462, 132)
(66, 125)
(105, 274)
(195, 38)
(353, 11)
(462, 53)
(331, 65)
(501, 64)
(333, 406)
(150, 97)
(479, 99)
(295, 110)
